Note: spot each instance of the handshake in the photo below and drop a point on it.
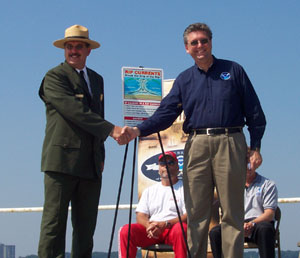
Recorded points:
(124, 135)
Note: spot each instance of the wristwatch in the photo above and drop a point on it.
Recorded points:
(253, 223)
(255, 149)
(168, 224)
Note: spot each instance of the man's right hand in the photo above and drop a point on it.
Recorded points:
(248, 228)
(128, 134)
(116, 133)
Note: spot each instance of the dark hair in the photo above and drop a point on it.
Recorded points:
(196, 27)
(86, 44)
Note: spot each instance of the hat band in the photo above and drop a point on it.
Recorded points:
(81, 37)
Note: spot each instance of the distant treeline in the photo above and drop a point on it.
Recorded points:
(284, 254)
(95, 255)
(247, 254)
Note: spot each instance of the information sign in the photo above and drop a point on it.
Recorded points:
(142, 93)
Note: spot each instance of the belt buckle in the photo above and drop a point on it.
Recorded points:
(226, 131)
(207, 131)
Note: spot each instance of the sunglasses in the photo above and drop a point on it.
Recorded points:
(170, 163)
(77, 47)
(196, 42)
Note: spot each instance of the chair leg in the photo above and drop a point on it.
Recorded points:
(147, 254)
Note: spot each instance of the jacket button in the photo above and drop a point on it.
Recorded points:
(65, 145)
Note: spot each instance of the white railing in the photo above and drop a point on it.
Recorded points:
(121, 207)
(40, 209)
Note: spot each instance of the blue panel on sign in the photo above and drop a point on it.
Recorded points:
(150, 166)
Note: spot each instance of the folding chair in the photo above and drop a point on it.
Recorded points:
(157, 248)
(248, 245)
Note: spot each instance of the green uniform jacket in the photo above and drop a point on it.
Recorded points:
(76, 129)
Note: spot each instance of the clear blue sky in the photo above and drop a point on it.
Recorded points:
(263, 36)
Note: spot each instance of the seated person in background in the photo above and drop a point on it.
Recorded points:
(260, 205)
(156, 215)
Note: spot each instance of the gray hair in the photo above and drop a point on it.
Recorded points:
(196, 27)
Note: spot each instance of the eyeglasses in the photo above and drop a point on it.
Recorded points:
(196, 42)
(170, 163)
(77, 47)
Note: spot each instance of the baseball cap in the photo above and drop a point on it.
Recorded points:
(170, 154)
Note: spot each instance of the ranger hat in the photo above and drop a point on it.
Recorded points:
(76, 33)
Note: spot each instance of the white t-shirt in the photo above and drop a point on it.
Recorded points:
(157, 201)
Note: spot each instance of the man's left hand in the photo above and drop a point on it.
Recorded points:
(255, 159)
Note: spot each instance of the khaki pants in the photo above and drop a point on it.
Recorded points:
(219, 161)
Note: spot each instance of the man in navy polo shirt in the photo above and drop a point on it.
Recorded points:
(218, 99)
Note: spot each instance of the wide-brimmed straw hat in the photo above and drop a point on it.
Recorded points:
(76, 33)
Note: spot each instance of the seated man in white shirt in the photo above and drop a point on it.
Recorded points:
(260, 204)
(156, 215)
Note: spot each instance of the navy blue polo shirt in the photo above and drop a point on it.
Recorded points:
(221, 97)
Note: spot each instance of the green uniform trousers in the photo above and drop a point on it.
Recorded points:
(209, 161)
(84, 194)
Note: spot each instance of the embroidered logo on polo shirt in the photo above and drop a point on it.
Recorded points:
(258, 192)
(225, 76)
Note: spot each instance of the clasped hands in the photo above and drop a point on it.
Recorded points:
(155, 229)
(248, 228)
(124, 135)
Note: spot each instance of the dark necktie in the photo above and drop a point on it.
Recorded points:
(85, 84)
(82, 77)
